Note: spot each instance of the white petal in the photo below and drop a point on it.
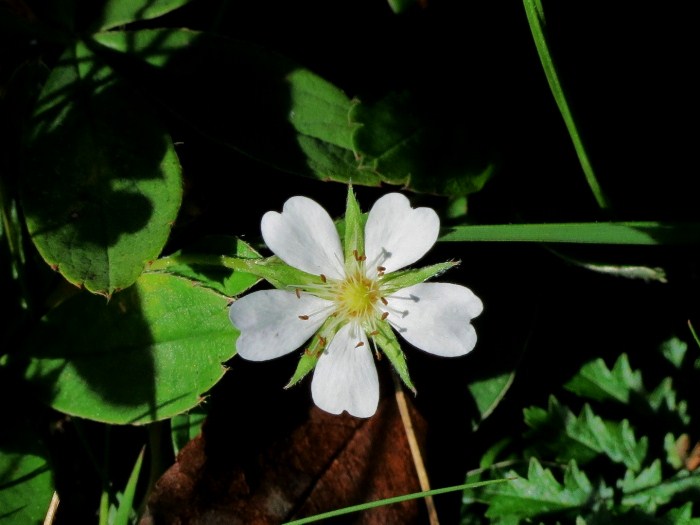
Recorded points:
(269, 322)
(345, 377)
(397, 235)
(435, 317)
(304, 236)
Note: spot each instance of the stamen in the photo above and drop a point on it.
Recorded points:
(384, 316)
(381, 269)
(378, 354)
(322, 340)
(384, 301)
(358, 257)
(306, 317)
(358, 345)
(373, 333)
(298, 292)
(323, 278)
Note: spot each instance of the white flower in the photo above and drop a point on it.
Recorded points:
(354, 293)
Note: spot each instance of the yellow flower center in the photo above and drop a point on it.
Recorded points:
(356, 296)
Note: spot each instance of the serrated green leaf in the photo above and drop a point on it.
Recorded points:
(674, 350)
(682, 516)
(541, 493)
(120, 12)
(596, 381)
(103, 182)
(557, 431)
(148, 354)
(633, 485)
(683, 484)
(663, 399)
(673, 451)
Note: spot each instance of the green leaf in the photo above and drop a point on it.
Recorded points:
(596, 381)
(404, 148)
(103, 183)
(26, 482)
(148, 354)
(674, 350)
(682, 516)
(401, 6)
(126, 504)
(541, 493)
(488, 393)
(633, 486)
(304, 124)
(557, 431)
(185, 427)
(685, 486)
(632, 233)
(190, 263)
(120, 12)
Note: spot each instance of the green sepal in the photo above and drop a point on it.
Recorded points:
(280, 275)
(316, 347)
(354, 235)
(395, 281)
(385, 339)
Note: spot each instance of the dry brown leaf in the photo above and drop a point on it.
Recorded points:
(273, 475)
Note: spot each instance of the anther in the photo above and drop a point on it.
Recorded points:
(358, 345)
(298, 292)
(359, 257)
(305, 317)
(381, 269)
(322, 340)
(384, 315)
(384, 301)
(374, 333)
(323, 278)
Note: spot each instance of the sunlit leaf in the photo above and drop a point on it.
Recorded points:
(596, 381)
(120, 12)
(103, 183)
(632, 233)
(148, 354)
(541, 493)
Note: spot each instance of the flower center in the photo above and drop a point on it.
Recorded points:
(356, 296)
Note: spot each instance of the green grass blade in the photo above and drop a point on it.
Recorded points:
(127, 502)
(535, 17)
(389, 501)
(630, 233)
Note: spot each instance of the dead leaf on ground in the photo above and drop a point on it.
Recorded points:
(269, 475)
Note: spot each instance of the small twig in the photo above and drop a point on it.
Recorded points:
(53, 507)
(415, 450)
